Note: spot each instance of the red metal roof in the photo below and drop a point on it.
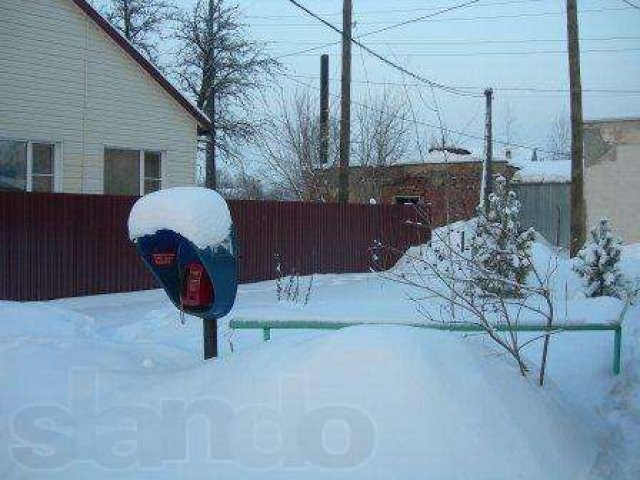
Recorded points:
(201, 118)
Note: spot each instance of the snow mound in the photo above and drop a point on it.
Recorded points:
(198, 214)
(40, 320)
(427, 412)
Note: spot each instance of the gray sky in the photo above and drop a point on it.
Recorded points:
(498, 43)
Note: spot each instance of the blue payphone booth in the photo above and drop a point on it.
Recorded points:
(200, 282)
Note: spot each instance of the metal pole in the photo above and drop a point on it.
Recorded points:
(324, 109)
(617, 346)
(210, 335)
(345, 101)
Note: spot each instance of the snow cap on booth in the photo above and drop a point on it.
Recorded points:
(200, 215)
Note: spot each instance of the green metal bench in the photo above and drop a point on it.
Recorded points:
(239, 323)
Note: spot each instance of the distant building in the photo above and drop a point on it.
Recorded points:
(82, 111)
(443, 182)
(612, 174)
(544, 188)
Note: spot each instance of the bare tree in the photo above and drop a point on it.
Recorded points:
(290, 145)
(509, 128)
(560, 138)
(240, 185)
(381, 140)
(141, 21)
(223, 70)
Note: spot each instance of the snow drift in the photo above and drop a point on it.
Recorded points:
(393, 402)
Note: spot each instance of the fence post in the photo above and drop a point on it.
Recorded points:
(617, 347)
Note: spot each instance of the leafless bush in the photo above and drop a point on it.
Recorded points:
(291, 288)
(447, 275)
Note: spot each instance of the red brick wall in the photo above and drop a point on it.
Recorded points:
(446, 191)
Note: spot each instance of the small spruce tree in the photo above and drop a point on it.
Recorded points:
(499, 246)
(597, 263)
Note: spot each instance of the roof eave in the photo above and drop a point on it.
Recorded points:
(202, 120)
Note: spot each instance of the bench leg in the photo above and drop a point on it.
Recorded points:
(266, 334)
(617, 346)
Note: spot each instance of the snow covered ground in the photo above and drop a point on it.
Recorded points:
(114, 386)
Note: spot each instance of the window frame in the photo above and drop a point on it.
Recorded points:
(144, 177)
(141, 174)
(57, 161)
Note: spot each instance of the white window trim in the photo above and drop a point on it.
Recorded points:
(141, 172)
(162, 168)
(57, 161)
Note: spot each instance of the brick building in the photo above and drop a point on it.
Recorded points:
(443, 182)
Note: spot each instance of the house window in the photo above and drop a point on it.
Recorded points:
(27, 166)
(132, 172)
(152, 172)
(42, 173)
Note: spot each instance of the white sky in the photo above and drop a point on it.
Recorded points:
(453, 49)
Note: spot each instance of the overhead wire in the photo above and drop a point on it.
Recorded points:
(473, 18)
(471, 41)
(395, 25)
(632, 4)
(513, 52)
(430, 125)
(400, 10)
(496, 88)
(380, 57)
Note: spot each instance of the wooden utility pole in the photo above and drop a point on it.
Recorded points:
(324, 109)
(345, 103)
(578, 208)
(210, 170)
(487, 174)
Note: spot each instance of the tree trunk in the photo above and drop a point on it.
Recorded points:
(210, 178)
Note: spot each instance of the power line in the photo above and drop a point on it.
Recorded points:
(473, 18)
(398, 10)
(430, 125)
(383, 59)
(423, 17)
(498, 88)
(470, 41)
(513, 52)
(413, 20)
(632, 4)
(511, 16)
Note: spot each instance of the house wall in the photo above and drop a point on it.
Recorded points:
(62, 79)
(612, 175)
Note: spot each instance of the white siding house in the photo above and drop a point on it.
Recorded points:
(81, 111)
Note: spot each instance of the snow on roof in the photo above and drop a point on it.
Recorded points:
(198, 214)
(543, 172)
(445, 157)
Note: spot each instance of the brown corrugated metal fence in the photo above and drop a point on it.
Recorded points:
(59, 245)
